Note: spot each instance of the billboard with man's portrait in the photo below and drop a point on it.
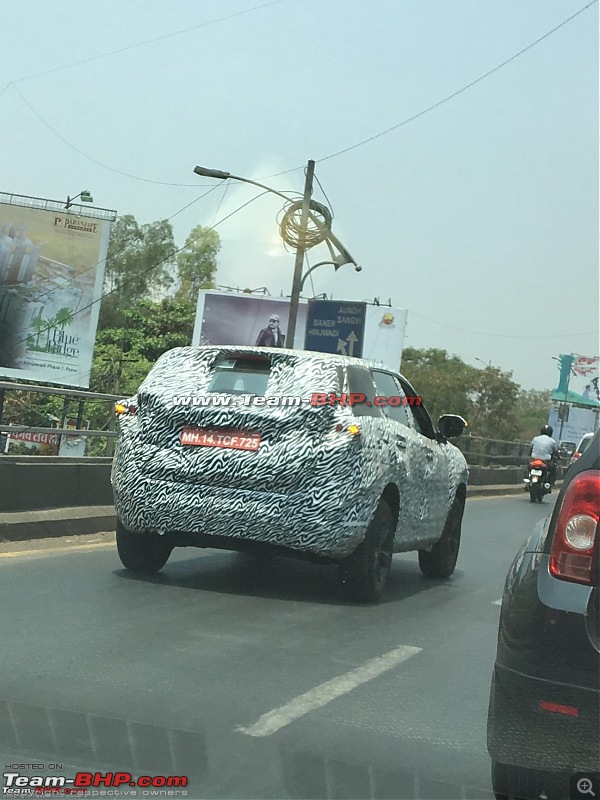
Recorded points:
(247, 319)
(51, 274)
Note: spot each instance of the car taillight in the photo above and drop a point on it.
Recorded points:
(122, 409)
(353, 429)
(574, 551)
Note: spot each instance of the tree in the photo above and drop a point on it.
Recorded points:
(486, 398)
(139, 264)
(494, 403)
(197, 263)
(150, 329)
(532, 412)
(445, 381)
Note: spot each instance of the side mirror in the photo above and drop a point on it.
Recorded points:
(451, 425)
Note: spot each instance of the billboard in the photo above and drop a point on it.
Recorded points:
(578, 382)
(570, 423)
(245, 319)
(385, 328)
(51, 275)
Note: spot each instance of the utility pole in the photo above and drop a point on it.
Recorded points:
(297, 282)
(565, 409)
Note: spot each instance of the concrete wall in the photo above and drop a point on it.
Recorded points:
(30, 483)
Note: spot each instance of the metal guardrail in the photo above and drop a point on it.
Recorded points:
(80, 396)
(56, 431)
(58, 206)
(482, 452)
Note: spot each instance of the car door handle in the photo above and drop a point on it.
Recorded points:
(401, 441)
(429, 455)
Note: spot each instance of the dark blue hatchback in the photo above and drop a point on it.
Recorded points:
(544, 712)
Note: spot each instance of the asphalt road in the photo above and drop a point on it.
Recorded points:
(254, 679)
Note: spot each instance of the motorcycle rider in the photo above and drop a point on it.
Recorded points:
(545, 448)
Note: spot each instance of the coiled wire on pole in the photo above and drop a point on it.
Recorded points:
(290, 226)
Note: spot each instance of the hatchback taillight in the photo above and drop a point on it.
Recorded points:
(574, 554)
(123, 409)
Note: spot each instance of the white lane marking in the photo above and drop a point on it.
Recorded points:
(318, 697)
(497, 602)
(56, 550)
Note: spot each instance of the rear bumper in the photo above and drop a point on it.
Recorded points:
(321, 526)
(529, 739)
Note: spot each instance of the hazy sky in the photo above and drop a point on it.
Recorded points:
(480, 217)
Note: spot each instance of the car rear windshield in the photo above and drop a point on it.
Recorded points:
(583, 446)
(240, 375)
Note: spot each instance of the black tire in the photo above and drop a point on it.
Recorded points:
(503, 778)
(440, 560)
(536, 493)
(363, 575)
(144, 553)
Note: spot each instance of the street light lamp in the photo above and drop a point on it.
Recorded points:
(336, 263)
(309, 210)
(84, 195)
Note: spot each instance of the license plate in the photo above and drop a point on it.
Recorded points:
(536, 472)
(231, 440)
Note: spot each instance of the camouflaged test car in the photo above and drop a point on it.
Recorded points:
(343, 483)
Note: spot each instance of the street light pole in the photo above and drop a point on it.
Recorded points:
(300, 251)
(308, 208)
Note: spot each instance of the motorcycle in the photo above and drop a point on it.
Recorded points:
(537, 482)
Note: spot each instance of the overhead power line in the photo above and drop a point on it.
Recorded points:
(146, 41)
(499, 335)
(444, 99)
(50, 70)
(91, 158)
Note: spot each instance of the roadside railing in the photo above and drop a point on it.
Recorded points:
(482, 452)
(62, 438)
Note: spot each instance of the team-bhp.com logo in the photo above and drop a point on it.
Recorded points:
(93, 784)
(316, 399)
(359, 398)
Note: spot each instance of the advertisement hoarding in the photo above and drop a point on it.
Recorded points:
(570, 423)
(51, 275)
(578, 381)
(385, 328)
(244, 319)
(73, 446)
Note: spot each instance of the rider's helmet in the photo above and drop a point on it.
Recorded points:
(546, 430)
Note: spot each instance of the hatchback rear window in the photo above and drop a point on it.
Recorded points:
(241, 375)
(584, 443)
